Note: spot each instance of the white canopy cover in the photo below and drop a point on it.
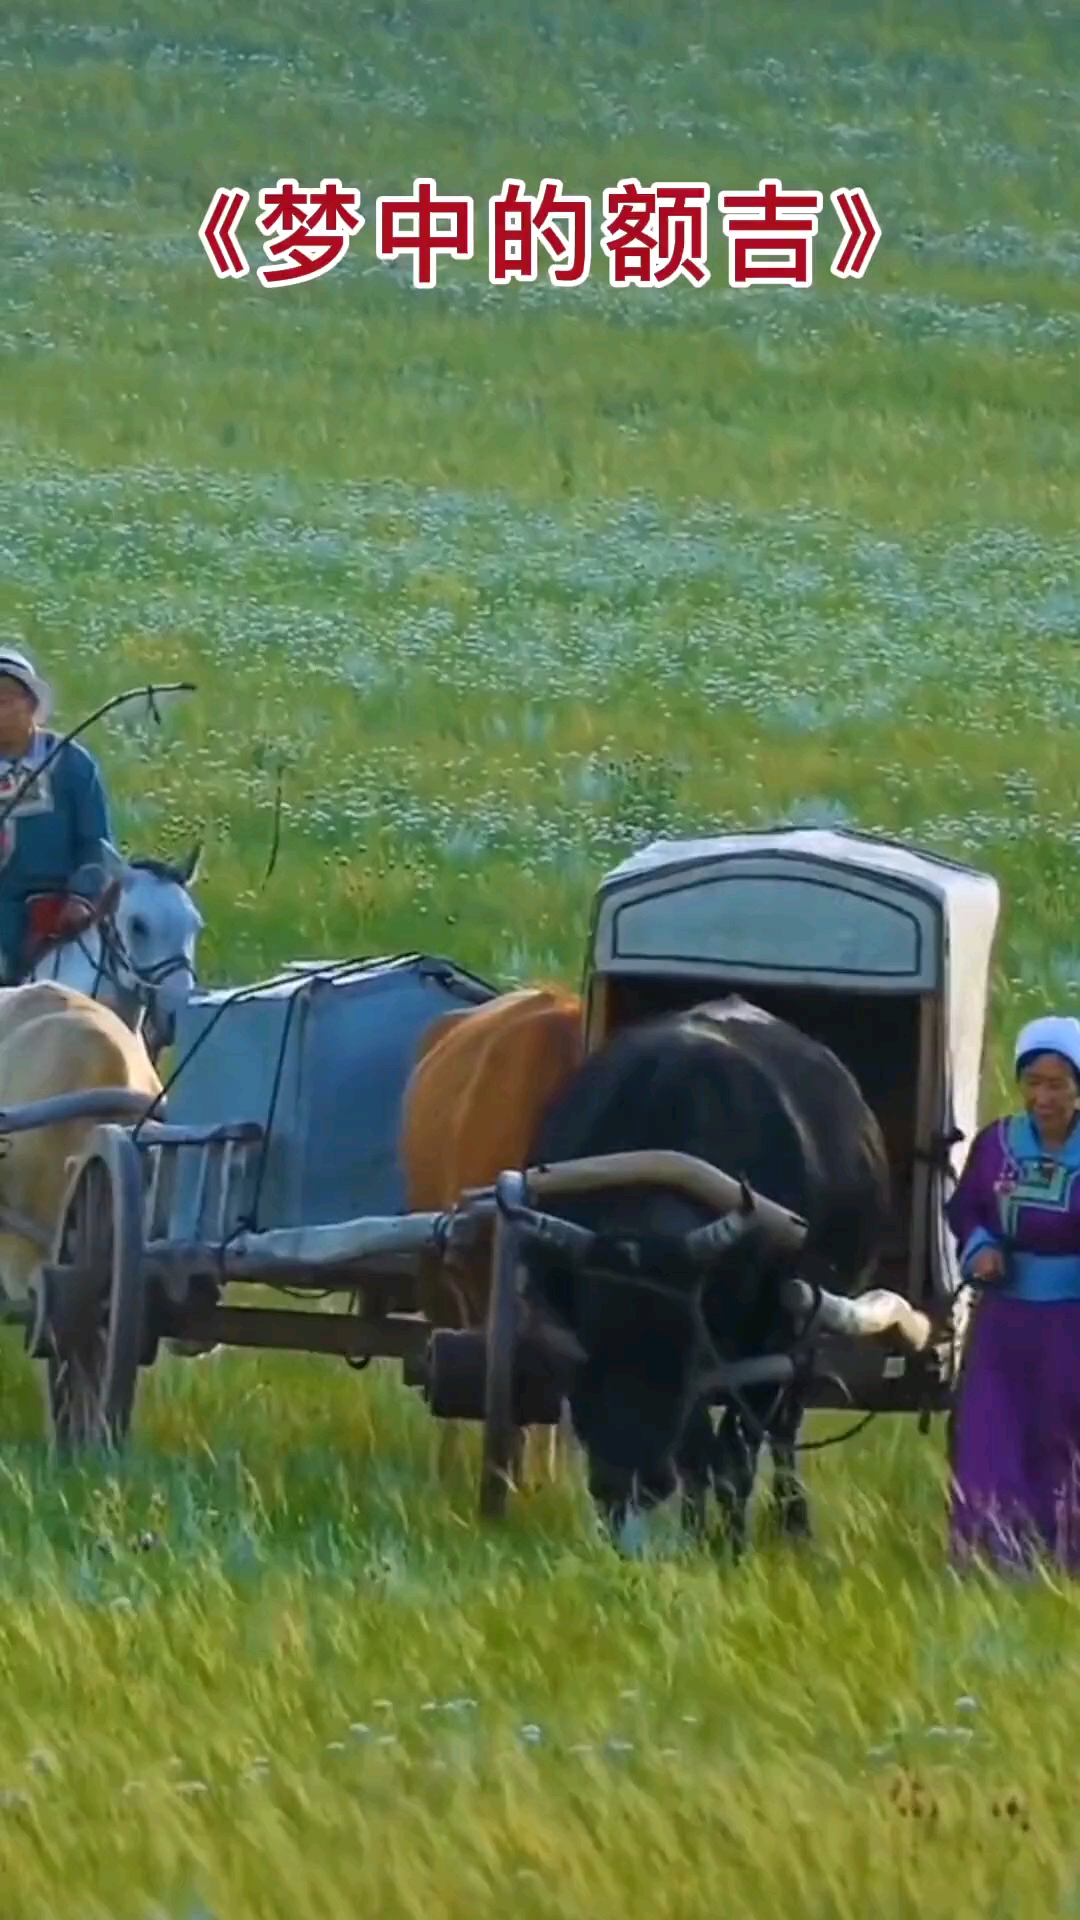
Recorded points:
(813, 907)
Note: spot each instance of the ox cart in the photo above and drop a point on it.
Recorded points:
(277, 1166)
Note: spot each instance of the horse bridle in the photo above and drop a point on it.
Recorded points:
(145, 981)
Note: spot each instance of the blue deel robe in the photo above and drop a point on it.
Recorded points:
(1022, 1197)
(54, 841)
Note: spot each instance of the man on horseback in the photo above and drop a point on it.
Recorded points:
(53, 842)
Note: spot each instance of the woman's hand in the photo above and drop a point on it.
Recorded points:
(988, 1264)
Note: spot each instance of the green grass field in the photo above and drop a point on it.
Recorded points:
(509, 580)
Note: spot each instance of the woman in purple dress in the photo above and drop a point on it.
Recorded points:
(1016, 1217)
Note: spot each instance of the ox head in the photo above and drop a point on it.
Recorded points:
(157, 927)
(632, 1324)
(616, 1311)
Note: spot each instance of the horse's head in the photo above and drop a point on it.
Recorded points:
(157, 926)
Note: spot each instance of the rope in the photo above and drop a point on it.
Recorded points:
(275, 836)
(33, 774)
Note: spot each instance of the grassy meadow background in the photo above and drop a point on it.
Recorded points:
(507, 581)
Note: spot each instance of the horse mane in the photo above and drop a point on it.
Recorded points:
(160, 870)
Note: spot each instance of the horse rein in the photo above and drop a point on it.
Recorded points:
(141, 983)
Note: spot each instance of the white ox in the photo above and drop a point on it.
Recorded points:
(53, 1041)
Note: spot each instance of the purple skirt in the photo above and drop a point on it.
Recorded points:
(1016, 1447)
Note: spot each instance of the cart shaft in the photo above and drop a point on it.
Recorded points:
(396, 1337)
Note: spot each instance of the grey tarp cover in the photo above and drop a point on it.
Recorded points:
(339, 1043)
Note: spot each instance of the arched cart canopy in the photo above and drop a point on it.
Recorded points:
(800, 907)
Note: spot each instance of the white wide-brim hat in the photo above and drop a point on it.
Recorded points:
(16, 666)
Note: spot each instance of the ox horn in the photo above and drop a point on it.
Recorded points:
(706, 1245)
(876, 1312)
(541, 1228)
(710, 1243)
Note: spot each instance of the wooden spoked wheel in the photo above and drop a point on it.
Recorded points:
(96, 1299)
(501, 1453)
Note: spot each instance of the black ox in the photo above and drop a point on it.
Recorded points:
(655, 1295)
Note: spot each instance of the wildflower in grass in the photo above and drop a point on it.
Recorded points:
(822, 812)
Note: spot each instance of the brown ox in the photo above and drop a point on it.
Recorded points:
(474, 1101)
(54, 1041)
